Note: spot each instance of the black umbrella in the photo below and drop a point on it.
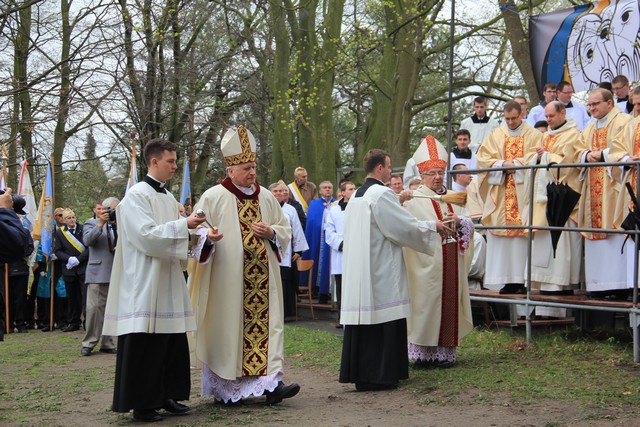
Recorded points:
(632, 221)
(561, 199)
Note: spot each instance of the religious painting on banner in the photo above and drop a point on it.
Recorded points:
(586, 44)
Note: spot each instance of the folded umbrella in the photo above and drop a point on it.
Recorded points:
(561, 199)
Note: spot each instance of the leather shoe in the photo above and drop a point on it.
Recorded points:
(109, 350)
(71, 328)
(282, 392)
(146, 415)
(86, 351)
(375, 386)
(174, 407)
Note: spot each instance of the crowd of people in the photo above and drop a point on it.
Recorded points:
(402, 251)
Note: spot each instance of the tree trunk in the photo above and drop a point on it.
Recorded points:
(519, 40)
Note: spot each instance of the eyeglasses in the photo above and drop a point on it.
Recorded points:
(568, 93)
(594, 104)
(433, 173)
(619, 87)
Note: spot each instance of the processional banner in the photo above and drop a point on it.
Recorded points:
(586, 44)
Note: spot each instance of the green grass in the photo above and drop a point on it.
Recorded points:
(500, 364)
(495, 367)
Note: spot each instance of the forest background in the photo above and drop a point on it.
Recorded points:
(318, 82)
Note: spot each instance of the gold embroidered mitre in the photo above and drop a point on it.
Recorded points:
(238, 146)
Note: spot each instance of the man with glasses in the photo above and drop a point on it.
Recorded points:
(620, 86)
(599, 194)
(506, 204)
(574, 110)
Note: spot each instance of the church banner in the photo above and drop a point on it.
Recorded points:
(586, 44)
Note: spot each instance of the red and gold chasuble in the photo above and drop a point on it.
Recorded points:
(255, 343)
(596, 184)
(513, 149)
(448, 335)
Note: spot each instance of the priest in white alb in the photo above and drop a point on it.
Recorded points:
(507, 200)
(237, 296)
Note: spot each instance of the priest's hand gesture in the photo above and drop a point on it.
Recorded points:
(194, 220)
(263, 230)
(214, 234)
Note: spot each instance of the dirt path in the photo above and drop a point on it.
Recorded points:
(321, 402)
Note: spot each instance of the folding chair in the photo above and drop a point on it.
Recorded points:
(304, 291)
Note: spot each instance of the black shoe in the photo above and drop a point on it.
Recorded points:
(109, 350)
(557, 293)
(22, 329)
(282, 392)
(46, 328)
(86, 351)
(71, 328)
(146, 415)
(374, 386)
(174, 407)
(512, 289)
(323, 299)
(339, 326)
(443, 364)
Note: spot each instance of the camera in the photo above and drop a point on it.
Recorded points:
(18, 203)
(112, 214)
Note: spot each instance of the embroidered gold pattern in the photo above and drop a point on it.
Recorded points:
(513, 148)
(549, 142)
(255, 344)
(246, 155)
(636, 151)
(434, 160)
(596, 185)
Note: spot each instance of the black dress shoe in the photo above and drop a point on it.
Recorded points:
(146, 415)
(71, 328)
(282, 392)
(174, 407)
(512, 289)
(109, 350)
(375, 386)
(86, 351)
(443, 364)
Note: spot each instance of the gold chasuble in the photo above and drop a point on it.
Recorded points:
(255, 340)
(506, 203)
(628, 145)
(601, 186)
(237, 296)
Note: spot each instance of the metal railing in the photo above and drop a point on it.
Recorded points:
(633, 311)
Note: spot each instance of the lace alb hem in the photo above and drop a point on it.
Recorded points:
(240, 388)
(431, 353)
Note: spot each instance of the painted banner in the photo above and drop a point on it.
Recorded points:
(586, 44)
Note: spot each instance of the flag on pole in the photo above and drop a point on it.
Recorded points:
(133, 169)
(3, 178)
(45, 224)
(186, 182)
(26, 191)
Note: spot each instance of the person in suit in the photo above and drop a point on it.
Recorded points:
(73, 255)
(99, 235)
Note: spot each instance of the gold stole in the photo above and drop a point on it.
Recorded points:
(596, 184)
(255, 335)
(549, 142)
(513, 148)
(636, 151)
